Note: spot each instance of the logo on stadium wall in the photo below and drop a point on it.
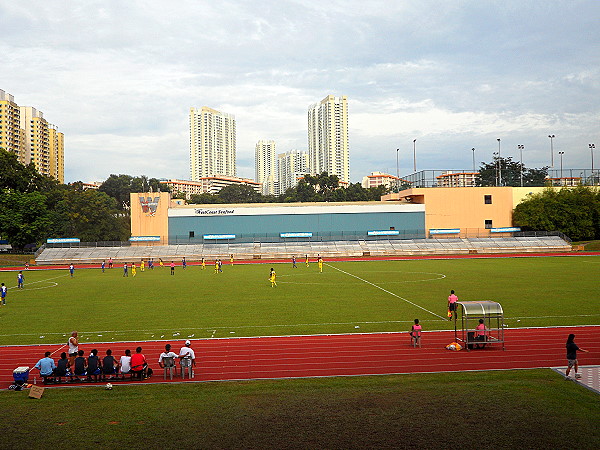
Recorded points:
(149, 205)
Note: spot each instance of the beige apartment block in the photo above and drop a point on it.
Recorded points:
(11, 135)
(328, 145)
(212, 143)
(56, 141)
(25, 132)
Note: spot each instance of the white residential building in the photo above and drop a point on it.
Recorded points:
(212, 143)
(265, 166)
(291, 167)
(376, 179)
(328, 146)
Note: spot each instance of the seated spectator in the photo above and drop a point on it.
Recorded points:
(46, 367)
(480, 333)
(167, 354)
(80, 366)
(139, 365)
(109, 365)
(93, 369)
(125, 363)
(187, 358)
(62, 368)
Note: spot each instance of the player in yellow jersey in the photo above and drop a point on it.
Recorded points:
(133, 271)
(320, 261)
(231, 259)
(160, 261)
(306, 261)
(216, 266)
(272, 277)
(142, 265)
(203, 264)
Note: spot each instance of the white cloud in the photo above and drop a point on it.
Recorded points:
(118, 78)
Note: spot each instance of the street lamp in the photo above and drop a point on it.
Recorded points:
(561, 173)
(521, 147)
(414, 155)
(473, 159)
(551, 136)
(499, 164)
(592, 147)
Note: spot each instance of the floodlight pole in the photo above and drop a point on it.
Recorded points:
(551, 136)
(473, 149)
(561, 166)
(521, 147)
(397, 172)
(499, 164)
(415, 155)
(592, 147)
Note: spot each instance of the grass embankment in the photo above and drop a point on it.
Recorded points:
(13, 260)
(513, 409)
(589, 246)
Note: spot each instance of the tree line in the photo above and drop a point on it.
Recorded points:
(574, 212)
(312, 188)
(34, 207)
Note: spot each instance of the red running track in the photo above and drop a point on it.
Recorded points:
(338, 355)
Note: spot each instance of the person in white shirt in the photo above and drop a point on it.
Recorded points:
(125, 362)
(187, 356)
(167, 354)
(73, 344)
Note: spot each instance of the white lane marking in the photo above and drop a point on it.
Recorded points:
(388, 292)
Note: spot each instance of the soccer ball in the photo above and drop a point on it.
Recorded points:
(108, 386)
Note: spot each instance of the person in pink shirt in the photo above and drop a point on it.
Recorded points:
(172, 268)
(452, 299)
(415, 334)
(480, 333)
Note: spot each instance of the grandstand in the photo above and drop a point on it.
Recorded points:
(282, 250)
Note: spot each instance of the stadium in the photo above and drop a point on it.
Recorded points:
(322, 338)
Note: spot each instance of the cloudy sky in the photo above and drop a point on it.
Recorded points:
(118, 78)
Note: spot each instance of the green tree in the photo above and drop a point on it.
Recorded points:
(489, 173)
(205, 199)
(239, 193)
(375, 193)
(574, 212)
(24, 217)
(17, 177)
(120, 186)
(91, 216)
(324, 184)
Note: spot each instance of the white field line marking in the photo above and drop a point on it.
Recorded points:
(440, 276)
(215, 329)
(41, 281)
(303, 335)
(387, 292)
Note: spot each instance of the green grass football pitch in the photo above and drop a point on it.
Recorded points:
(356, 296)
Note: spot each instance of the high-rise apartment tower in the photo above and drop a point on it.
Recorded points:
(291, 166)
(265, 166)
(328, 137)
(25, 132)
(212, 143)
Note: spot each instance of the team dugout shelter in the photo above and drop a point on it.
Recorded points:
(156, 218)
(468, 316)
